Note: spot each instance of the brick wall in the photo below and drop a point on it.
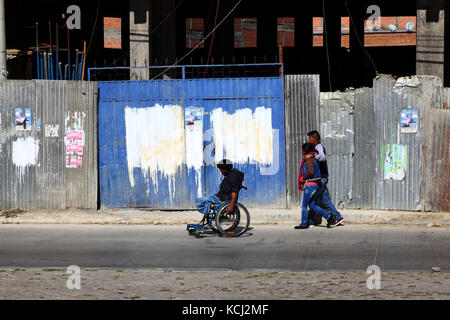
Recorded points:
(245, 32)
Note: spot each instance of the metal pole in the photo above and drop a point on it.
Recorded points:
(76, 64)
(68, 52)
(38, 57)
(60, 74)
(45, 66)
(84, 61)
(80, 72)
(57, 53)
(50, 56)
(41, 65)
(3, 66)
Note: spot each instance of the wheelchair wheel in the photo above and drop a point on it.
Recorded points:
(232, 224)
(213, 224)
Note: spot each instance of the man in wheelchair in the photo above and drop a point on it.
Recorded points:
(228, 191)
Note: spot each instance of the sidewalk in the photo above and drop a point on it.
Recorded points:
(258, 216)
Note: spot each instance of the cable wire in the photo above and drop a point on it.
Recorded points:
(357, 37)
(93, 29)
(212, 39)
(324, 26)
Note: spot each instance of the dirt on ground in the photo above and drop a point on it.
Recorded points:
(12, 213)
(140, 284)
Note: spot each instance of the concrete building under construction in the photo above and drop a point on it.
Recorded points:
(347, 42)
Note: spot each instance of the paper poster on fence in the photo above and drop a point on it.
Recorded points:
(395, 162)
(23, 120)
(408, 121)
(193, 117)
(74, 141)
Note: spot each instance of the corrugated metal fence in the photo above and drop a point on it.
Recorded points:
(436, 160)
(302, 115)
(159, 140)
(364, 157)
(399, 143)
(388, 146)
(374, 141)
(446, 102)
(50, 161)
(337, 132)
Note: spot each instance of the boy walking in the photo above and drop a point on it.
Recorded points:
(322, 192)
(308, 184)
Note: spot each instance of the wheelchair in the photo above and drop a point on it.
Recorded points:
(220, 221)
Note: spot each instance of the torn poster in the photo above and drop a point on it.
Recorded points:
(395, 161)
(74, 141)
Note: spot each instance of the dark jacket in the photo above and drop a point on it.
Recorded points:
(231, 183)
(321, 156)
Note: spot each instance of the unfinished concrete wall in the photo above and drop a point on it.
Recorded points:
(139, 38)
(430, 38)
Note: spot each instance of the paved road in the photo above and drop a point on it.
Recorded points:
(279, 248)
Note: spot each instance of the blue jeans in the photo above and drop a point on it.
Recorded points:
(309, 198)
(204, 204)
(322, 194)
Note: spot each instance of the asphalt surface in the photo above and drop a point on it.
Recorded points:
(277, 248)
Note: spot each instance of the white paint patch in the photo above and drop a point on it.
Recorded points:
(75, 120)
(194, 154)
(25, 152)
(155, 142)
(244, 136)
(51, 131)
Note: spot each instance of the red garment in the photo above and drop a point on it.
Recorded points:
(300, 177)
(301, 181)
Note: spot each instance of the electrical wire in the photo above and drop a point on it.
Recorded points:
(324, 25)
(93, 29)
(212, 39)
(357, 37)
(200, 43)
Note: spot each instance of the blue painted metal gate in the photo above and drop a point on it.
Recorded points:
(149, 141)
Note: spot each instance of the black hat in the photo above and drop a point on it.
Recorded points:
(225, 164)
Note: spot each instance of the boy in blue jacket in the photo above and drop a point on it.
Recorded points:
(308, 183)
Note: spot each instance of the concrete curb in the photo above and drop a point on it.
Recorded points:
(258, 216)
